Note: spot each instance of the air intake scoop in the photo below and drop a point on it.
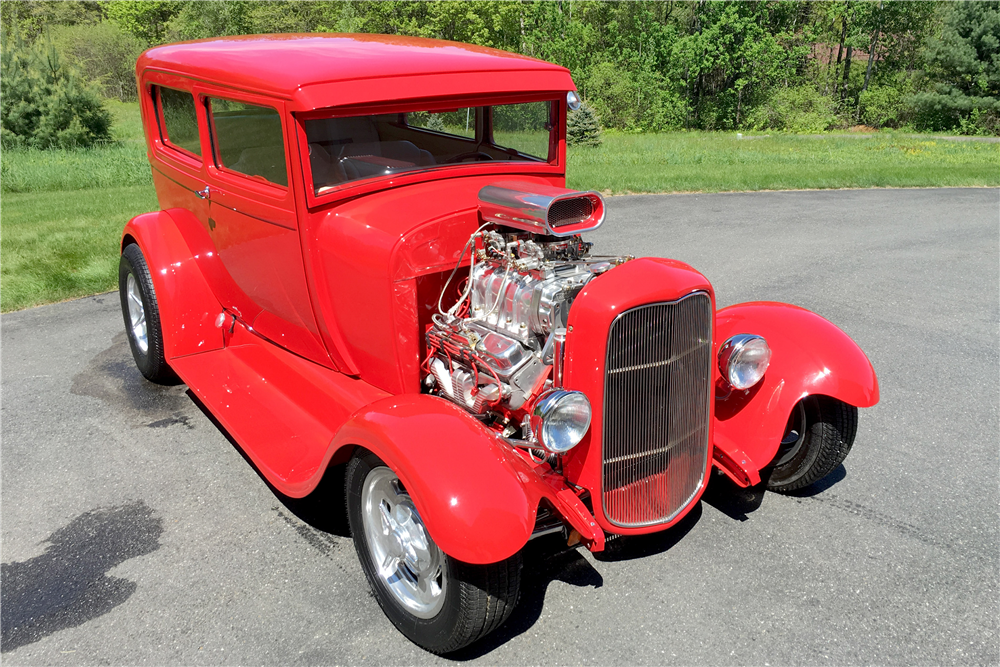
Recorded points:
(541, 209)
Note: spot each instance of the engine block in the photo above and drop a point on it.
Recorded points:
(493, 349)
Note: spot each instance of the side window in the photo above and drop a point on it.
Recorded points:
(248, 139)
(180, 122)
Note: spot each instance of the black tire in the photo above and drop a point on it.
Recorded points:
(818, 437)
(475, 599)
(147, 351)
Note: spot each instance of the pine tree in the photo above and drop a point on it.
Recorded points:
(436, 123)
(583, 128)
(964, 62)
(45, 104)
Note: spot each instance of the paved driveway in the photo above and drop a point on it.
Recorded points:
(134, 532)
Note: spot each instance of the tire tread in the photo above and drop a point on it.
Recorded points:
(487, 594)
(153, 364)
(832, 432)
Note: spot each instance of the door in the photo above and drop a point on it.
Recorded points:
(253, 224)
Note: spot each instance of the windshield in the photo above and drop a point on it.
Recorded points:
(358, 147)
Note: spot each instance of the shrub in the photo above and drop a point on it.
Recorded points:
(880, 106)
(583, 128)
(46, 104)
(798, 109)
(434, 122)
(103, 53)
(633, 101)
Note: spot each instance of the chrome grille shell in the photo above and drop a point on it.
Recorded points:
(657, 407)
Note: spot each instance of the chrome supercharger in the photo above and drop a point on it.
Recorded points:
(495, 348)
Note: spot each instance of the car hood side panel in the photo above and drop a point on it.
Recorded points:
(367, 254)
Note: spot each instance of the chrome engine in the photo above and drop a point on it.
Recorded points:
(494, 349)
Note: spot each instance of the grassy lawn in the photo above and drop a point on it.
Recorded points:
(716, 162)
(60, 245)
(63, 211)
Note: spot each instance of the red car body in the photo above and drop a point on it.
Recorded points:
(298, 315)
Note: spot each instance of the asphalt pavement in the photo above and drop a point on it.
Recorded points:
(135, 532)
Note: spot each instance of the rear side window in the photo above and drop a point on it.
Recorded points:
(248, 140)
(180, 122)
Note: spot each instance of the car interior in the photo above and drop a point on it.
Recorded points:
(352, 148)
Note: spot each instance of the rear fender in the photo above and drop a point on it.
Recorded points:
(188, 308)
(810, 356)
(477, 497)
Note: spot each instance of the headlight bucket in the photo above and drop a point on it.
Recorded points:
(743, 360)
(560, 419)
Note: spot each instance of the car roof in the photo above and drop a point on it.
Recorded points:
(311, 69)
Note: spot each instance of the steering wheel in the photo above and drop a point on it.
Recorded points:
(479, 155)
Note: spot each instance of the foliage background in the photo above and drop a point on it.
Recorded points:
(645, 66)
(659, 76)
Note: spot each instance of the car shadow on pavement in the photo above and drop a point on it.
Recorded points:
(642, 546)
(323, 509)
(548, 559)
(737, 502)
(732, 500)
(545, 560)
(819, 486)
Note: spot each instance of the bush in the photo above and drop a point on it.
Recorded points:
(798, 109)
(881, 106)
(583, 128)
(633, 102)
(103, 53)
(46, 104)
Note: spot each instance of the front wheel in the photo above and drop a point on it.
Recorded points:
(818, 437)
(439, 603)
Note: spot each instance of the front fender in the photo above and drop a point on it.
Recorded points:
(810, 356)
(476, 496)
(188, 307)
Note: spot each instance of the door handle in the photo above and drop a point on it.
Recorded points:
(204, 194)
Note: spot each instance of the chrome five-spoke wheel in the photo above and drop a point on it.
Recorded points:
(408, 562)
(136, 313)
(437, 601)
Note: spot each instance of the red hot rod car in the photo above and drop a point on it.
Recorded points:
(366, 257)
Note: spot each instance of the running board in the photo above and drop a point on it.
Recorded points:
(281, 409)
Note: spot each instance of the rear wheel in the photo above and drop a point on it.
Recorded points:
(818, 437)
(142, 316)
(439, 603)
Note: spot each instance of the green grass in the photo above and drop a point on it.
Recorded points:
(60, 245)
(63, 211)
(705, 162)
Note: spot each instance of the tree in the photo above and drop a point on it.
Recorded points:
(964, 65)
(145, 19)
(45, 104)
(29, 19)
(103, 54)
(583, 127)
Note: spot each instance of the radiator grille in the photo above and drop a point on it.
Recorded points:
(570, 211)
(657, 390)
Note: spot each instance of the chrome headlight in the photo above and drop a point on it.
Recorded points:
(743, 360)
(560, 419)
